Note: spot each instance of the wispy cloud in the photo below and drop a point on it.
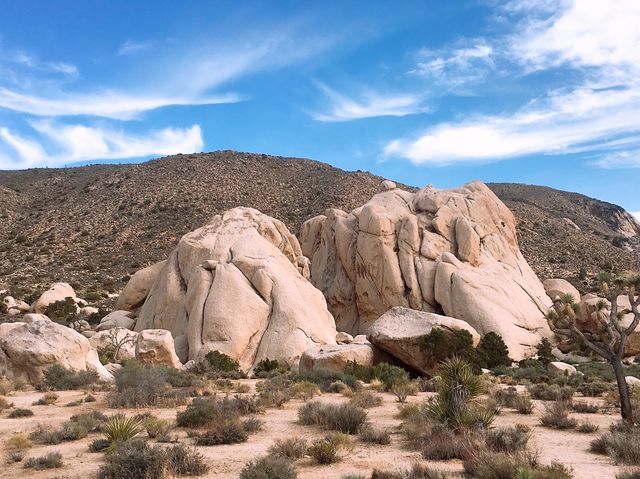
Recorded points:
(368, 105)
(597, 115)
(131, 47)
(68, 144)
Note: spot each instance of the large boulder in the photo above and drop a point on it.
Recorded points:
(559, 369)
(119, 343)
(401, 333)
(335, 357)
(155, 347)
(11, 303)
(117, 319)
(138, 287)
(239, 285)
(57, 292)
(557, 288)
(29, 349)
(451, 251)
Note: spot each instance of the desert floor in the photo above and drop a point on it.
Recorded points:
(569, 447)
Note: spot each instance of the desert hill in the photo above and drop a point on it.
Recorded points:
(94, 225)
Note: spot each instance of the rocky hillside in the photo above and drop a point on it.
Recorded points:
(95, 225)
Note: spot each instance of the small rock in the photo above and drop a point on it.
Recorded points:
(156, 347)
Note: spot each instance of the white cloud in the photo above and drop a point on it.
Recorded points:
(370, 105)
(130, 47)
(597, 45)
(582, 119)
(75, 143)
(107, 104)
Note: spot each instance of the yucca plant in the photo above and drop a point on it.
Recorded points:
(453, 406)
(120, 427)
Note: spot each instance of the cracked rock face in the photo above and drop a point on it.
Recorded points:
(452, 252)
(239, 285)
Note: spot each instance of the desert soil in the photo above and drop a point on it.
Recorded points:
(569, 447)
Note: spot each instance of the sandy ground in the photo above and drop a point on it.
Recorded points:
(570, 448)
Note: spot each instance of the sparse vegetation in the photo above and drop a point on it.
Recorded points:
(269, 467)
(372, 435)
(292, 448)
(227, 432)
(508, 438)
(51, 460)
(556, 415)
(366, 399)
(345, 418)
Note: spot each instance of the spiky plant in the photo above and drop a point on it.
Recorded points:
(457, 387)
(120, 427)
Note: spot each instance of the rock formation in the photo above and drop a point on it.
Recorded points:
(57, 292)
(138, 287)
(238, 285)
(446, 251)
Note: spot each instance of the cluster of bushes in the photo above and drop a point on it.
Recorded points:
(345, 418)
(621, 443)
(491, 352)
(77, 427)
(59, 378)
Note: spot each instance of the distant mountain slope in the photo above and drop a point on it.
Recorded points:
(94, 225)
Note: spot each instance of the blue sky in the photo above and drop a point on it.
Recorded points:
(531, 91)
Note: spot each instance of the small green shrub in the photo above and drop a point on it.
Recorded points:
(304, 390)
(439, 346)
(140, 385)
(556, 415)
(185, 461)
(345, 418)
(372, 435)
(621, 444)
(99, 445)
(269, 467)
(442, 444)
(585, 407)
(524, 404)
(551, 392)
(325, 377)
(157, 427)
(59, 378)
(228, 432)
(366, 399)
(508, 438)
(543, 349)
(492, 351)
(265, 366)
(63, 311)
(220, 362)
(20, 412)
(204, 411)
(359, 371)
(594, 389)
(252, 424)
(587, 427)
(134, 460)
(15, 456)
(17, 442)
(323, 451)
(500, 465)
(391, 376)
(292, 448)
(51, 460)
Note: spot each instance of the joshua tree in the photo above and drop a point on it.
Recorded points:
(608, 336)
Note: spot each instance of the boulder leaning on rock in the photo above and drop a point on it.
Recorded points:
(557, 288)
(138, 287)
(117, 319)
(401, 332)
(29, 349)
(452, 251)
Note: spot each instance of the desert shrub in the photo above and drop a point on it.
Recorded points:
(453, 405)
(492, 351)
(366, 399)
(292, 448)
(20, 412)
(121, 428)
(499, 465)
(587, 427)
(330, 449)
(543, 350)
(63, 311)
(325, 377)
(345, 418)
(99, 445)
(252, 424)
(359, 371)
(406, 411)
(506, 397)
(17, 442)
(227, 432)
(140, 385)
(374, 436)
(265, 367)
(47, 400)
(178, 378)
(628, 475)
(391, 376)
(442, 444)
(185, 461)
(15, 456)
(219, 365)
(273, 392)
(551, 392)
(59, 378)
(241, 388)
(92, 421)
(203, 411)
(403, 391)
(622, 444)
(269, 467)
(157, 427)
(594, 389)
(134, 460)
(556, 415)
(304, 390)
(340, 388)
(508, 438)
(439, 346)
(417, 471)
(602, 371)
(585, 407)
(51, 460)
(4, 404)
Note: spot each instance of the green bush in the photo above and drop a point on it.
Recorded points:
(227, 432)
(442, 444)
(204, 411)
(135, 460)
(492, 351)
(121, 428)
(374, 436)
(366, 399)
(269, 467)
(140, 385)
(594, 389)
(51, 460)
(325, 377)
(391, 376)
(500, 465)
(556, 415)
(551, 392)
(323, 451)
(59, 378)
(345, 418)
(292, 448)
(587, 427)
(20, 412)
(543, 350)
(439, 345)
(585, 407)
(185, 461)
(508, 438)
(622, 445)
(218, 363)
(358, 371)
(99, 445)
(265, 366)
(63, 311)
